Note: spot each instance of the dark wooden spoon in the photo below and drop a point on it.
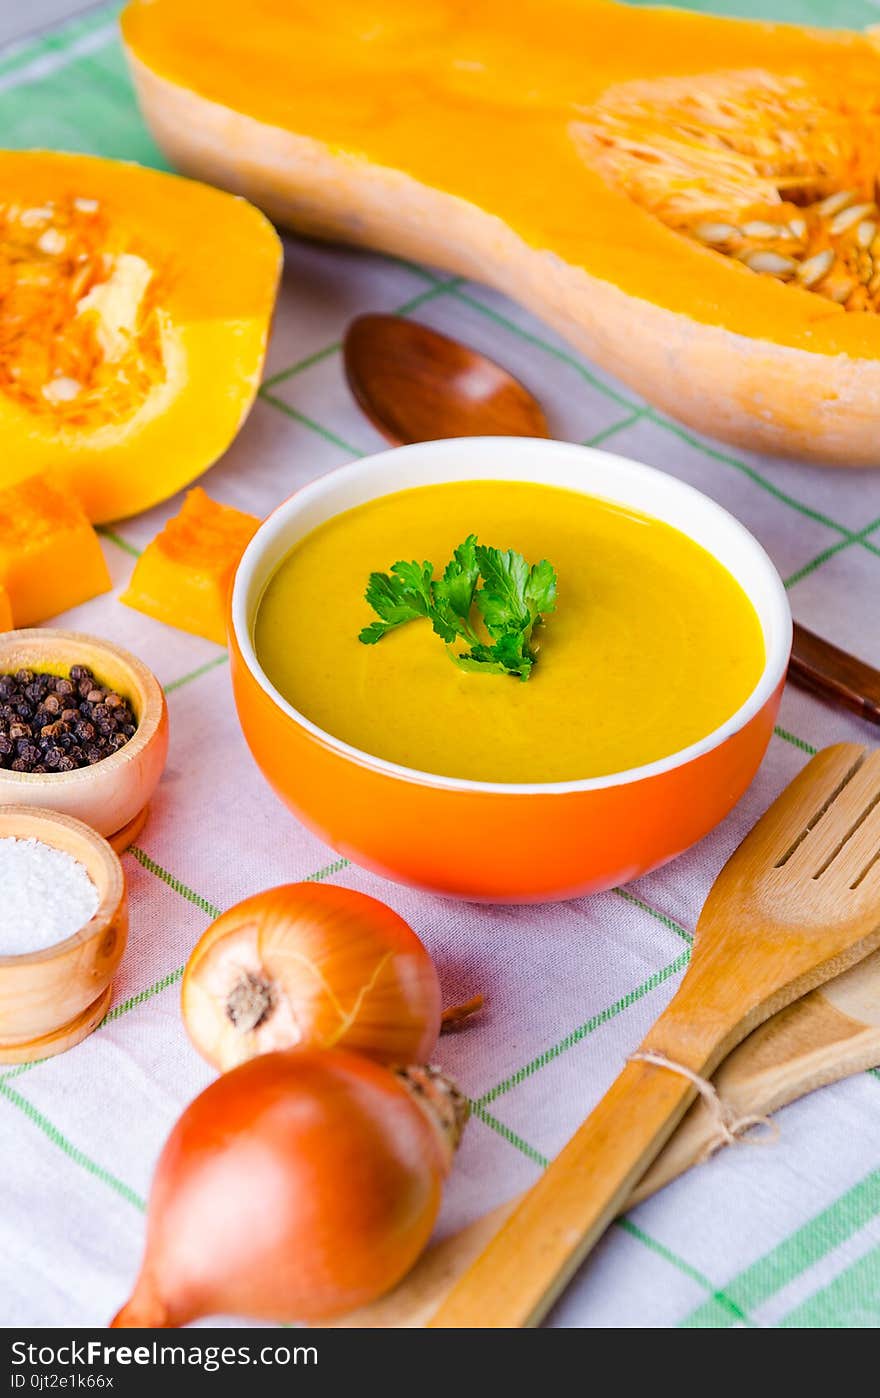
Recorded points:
(416, 385)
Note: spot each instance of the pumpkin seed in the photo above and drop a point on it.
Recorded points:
(716, 232)
(771, 263)
(847, 217)
(865, 233)
(835, 202)
(815, 268)
(798, 227)
(759, 229)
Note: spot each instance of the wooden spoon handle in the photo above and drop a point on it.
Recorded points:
(515, 1281)
(826, 670)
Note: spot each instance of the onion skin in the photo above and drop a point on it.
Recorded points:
(296, 1187)
(311, 965)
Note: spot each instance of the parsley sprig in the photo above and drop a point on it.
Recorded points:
(514, 598)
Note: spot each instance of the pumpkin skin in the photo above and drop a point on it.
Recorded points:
(217, 262)
(466, 137)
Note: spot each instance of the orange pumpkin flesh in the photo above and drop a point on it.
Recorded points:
(50, 556)
(134, 313)
(6, 622)
(572, 152)
(184, 575)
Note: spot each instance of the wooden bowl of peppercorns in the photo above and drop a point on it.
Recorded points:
(83, 729)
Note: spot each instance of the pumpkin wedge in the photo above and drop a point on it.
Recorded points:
(691, 200)
(184, 575)
(134, 312)
(50, 556)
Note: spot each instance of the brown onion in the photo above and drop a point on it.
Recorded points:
(296, 1187)
(311, 965)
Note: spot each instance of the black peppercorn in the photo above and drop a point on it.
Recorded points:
(52, 723)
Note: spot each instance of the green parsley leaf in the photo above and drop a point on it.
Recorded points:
(402, 595)
(512, 601)
(454, 592)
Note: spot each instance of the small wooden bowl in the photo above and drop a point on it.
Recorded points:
(112, 795)
(51, 999)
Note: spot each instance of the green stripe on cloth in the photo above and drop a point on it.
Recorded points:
(212, 664)
(174, 883)
(529, 1151)
(413, 304)
(555, 351)
(118, 540)
(72, 1152)
(851, 1301)
(60, 43)
(656, 979)
(318, 428)
(794, 1255)
(608, 432)
(726, 459)
(142, 996)
(669, 1256)
(77, 102)
(512, 1139)
(795, 741)
(800, 573)
(663, 918)
(836, 14)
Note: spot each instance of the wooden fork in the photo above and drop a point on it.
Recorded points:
(797, 903)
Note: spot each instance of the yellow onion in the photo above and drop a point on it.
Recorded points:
(313, 966)
(295, 1188)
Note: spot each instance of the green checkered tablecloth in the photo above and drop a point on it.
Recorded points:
(788, 1236)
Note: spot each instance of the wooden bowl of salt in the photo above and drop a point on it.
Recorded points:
(63, 928)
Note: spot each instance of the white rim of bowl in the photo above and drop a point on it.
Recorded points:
(600, 474)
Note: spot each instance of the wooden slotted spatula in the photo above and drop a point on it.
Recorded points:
(798, 902)
(827, 1035)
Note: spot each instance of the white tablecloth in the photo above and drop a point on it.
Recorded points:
(786, 1236)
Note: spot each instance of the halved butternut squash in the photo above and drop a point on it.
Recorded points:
(692, 200)
(50, 556)
(134, 314)
(184, 575)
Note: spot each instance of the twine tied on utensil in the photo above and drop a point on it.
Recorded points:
(730, 1129)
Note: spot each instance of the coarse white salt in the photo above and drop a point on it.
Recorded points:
(45, 896)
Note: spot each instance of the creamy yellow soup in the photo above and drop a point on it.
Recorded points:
(652, 645)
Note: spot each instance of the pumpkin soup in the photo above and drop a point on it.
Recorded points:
(651, 644)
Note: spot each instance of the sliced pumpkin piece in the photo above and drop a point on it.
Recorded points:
(6, 622)
(692, 200)
(50, 556)
(134, 313)
(184, 575)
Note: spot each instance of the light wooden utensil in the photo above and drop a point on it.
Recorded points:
(827, 1035)
(797, 903)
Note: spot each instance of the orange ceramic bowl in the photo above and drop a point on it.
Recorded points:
(539, 840)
